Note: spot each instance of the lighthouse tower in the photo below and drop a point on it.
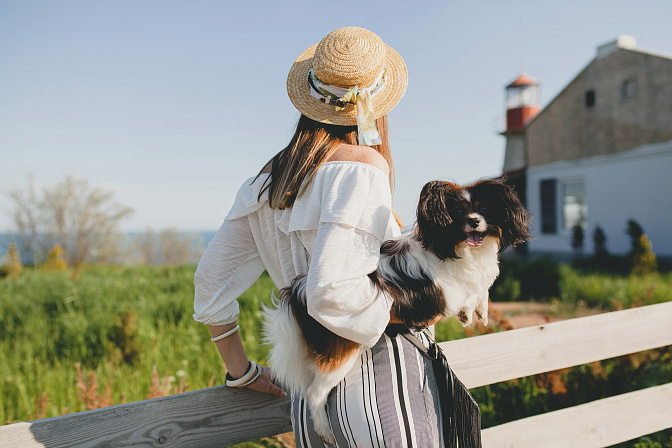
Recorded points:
(522, 104)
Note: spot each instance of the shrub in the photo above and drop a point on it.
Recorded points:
(124, 337)
(56, 260)
(643, 258)
(506, 290)
(507, 285)
(11, 266)
(540, 279)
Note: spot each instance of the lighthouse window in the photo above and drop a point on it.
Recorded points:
(628, 89)
(590, 98)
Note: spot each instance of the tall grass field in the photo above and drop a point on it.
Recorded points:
(77, 340)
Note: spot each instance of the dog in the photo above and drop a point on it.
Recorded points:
(443, 267)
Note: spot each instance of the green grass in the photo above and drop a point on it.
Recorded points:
(611, 292)
(119, 322)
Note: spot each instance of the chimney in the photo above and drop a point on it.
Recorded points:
(622, 41)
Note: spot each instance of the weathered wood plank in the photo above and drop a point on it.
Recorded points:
(597, 424)
(221, 416)
(214, 417)
(513, 354)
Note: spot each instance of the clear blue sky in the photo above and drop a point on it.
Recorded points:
(173, 104)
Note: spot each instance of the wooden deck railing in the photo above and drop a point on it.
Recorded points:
(220, 416)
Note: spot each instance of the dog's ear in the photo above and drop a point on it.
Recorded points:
(514, 217)
(433, 218)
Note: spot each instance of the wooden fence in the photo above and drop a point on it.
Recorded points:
(219, 416)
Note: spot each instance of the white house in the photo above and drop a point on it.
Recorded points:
(599, 154)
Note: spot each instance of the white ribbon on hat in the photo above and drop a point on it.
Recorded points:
(342, 97)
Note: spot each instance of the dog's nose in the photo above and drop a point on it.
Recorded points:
(474, 221)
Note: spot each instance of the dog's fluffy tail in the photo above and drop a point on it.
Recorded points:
(288, 354)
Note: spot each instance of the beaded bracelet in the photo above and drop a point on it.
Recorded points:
(225, 334)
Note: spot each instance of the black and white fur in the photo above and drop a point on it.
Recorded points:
(445, 266)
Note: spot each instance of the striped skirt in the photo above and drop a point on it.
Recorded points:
(390, 399)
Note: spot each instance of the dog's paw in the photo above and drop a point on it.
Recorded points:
(482, 316)
(482, 309)
(464, 316)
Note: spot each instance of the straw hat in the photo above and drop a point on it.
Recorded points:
(345, 58)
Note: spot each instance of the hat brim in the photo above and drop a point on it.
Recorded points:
(299, 91)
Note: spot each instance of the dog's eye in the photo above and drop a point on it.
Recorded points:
(459, 212)
(482, 209)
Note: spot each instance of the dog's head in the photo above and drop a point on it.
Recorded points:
(449, 215)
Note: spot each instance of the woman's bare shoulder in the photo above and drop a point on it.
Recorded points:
(362, 154)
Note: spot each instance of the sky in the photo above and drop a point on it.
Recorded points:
(174, 104)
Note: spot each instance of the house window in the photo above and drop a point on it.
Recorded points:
(574, 206)
(628, 89)
(590, 98)
(548, 206)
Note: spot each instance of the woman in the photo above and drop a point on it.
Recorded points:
(322, 207)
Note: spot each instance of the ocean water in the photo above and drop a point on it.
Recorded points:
(200, 241)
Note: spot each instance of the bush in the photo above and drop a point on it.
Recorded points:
(508, 290)
(56, 260)
(507, 285)
(643, 258)
(527, 280)
(604, 264)
(10, 265)
(540, 279)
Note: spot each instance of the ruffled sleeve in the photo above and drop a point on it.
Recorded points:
(354, 213)
(353, 194)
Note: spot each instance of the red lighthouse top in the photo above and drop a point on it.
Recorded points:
(522, 102)
(523, 80)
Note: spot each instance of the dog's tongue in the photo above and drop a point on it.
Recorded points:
(474, 239)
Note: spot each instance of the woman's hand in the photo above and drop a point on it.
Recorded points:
(236, 362)
(265, 384)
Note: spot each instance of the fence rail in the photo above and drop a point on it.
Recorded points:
(220, 416)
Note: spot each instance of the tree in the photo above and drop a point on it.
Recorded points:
(169, 247)
(577, 238)
(82, 219)
(600, 243)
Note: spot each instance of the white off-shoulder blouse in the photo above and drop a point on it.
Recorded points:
(332, 233)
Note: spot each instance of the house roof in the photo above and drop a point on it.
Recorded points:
(583, 70)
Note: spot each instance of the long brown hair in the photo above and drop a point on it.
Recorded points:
(311, 146)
